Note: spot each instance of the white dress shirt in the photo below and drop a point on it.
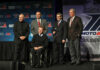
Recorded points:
(71, 20)
(39, 20)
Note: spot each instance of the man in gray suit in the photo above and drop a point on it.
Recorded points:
(38, 22)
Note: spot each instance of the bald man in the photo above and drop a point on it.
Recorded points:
(75, 28)
(21, 32)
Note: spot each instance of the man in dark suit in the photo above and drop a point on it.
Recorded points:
(59, 33)
(21, 32)
(75, 28)
(38, 22)
(39, 43)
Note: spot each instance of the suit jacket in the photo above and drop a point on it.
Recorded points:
(76, 28)
(34, 26)
(21, 29)
(39, 41)
(61, 31)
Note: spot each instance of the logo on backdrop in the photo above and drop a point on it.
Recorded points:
(3, 25)
(93, 25)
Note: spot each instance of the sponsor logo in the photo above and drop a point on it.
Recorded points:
(32, 16)
(2, 34)
(15, 15)
(49, 34)
(27, 15)
(8, 16)
(49, 25)
(11, 7)
(11, 25)
(3, 7)
(8, 34)
(92, 28)
(27, 6)
(50, 15)
(3, 25)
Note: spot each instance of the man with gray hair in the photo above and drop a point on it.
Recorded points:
(75, 28)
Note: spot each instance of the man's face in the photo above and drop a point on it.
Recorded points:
(21, 18)
(40, 30)
(38, 15)
(71, 13)
(58, 17)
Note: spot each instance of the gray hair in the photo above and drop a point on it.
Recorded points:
(73, 10)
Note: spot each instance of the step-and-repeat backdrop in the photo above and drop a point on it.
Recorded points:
(9, 15)
(89, 11)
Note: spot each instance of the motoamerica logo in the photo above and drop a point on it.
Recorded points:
(92, 28)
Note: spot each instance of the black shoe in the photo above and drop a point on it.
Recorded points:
(77, 63)
(33, 66)
(54, 63)
(46, 65)
(38, 66)
(72, 62)
(62, 62)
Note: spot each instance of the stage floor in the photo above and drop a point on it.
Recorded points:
(10, 65)
(67, 66)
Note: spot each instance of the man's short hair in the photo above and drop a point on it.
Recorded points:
(41, 27)
(38, 11)
(60, 14)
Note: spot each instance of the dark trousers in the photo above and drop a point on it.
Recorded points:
(36, 56)
(21, 52)
(58, 52)
(74, 48)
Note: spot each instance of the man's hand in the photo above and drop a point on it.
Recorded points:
(63, 41)
(40, 47)
(22, 37)
(35, 48)
(54, 32)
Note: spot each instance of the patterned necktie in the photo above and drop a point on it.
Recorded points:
(58, 24)
(38, 22)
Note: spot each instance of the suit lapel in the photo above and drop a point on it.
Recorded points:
(68, 22)
(56, 24)
(41, 22)
(73, 22)
(60, 23)
(36, 23)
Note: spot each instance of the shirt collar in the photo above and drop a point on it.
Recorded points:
(73, 17)
(41, 34)
(59, 21)
(39, 20)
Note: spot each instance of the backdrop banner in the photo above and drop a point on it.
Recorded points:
(9, 15)
(90, 14)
